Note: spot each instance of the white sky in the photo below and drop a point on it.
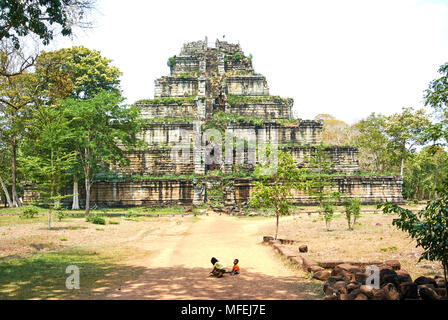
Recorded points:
(345, 58)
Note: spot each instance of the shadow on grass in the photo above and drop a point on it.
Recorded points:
(42, 276)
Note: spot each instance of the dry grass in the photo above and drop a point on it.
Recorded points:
(374, 238)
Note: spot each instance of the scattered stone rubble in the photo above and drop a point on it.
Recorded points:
(346, 280)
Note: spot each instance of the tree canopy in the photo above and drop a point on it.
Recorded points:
(42, 18)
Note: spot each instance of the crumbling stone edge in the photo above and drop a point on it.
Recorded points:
(347, 280)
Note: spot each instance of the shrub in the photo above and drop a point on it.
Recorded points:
(171, 61)
(95, 219)
(28, 213)
(61, 213)
(237, 56)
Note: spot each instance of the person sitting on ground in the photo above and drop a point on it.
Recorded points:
(235, 268)
(218, 268)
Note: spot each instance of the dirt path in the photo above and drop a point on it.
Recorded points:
(179, 263)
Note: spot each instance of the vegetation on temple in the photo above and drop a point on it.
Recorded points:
(168, 100)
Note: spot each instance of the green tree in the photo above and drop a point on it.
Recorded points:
(425, 172)
(41, 18)
(4, 163)
(373, 144)
(275, 191)
(406, 131)
(429, 227)
(352, 211)
(17, 96)
(436, 96)
(104, 129)
(47, 156)
(78, 73)
(320, 184)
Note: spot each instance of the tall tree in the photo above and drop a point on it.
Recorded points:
(17, 94)
(373, 144)
(406, 131)
(43, 18)
(4, 163)
(77, 73)
(47, 155)
(424, 172)
(336, 132)
(436, 96)
(104, 128)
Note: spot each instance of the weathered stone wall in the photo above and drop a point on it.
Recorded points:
(129, 193)
(249, 85)
(156, 134)
(344, 159)
(185, 64)
(269, 110)
(238, 65)
(193, 48)
(176, 87)
(228, 47)
(304, 132)
(151, 111)
(371, 190)
(158, 162)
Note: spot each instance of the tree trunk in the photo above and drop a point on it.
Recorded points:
(15, 199)
(50, 207)
(5, 190)
(276, 226)
(87, 197)
(75, 205)
(402, 167)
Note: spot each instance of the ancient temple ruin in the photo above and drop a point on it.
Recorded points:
(216, 86)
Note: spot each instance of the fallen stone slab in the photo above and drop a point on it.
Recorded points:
(394, 264)
(322, 275)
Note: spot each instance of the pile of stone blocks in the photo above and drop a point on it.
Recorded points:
(346, 280)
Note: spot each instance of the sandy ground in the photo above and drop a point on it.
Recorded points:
(171, 256)
(179, 264)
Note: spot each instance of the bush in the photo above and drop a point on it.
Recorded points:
(61, 213)
(171, 61)
(95, 219)
(28, 213)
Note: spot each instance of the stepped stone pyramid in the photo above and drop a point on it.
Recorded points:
(216, 87)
